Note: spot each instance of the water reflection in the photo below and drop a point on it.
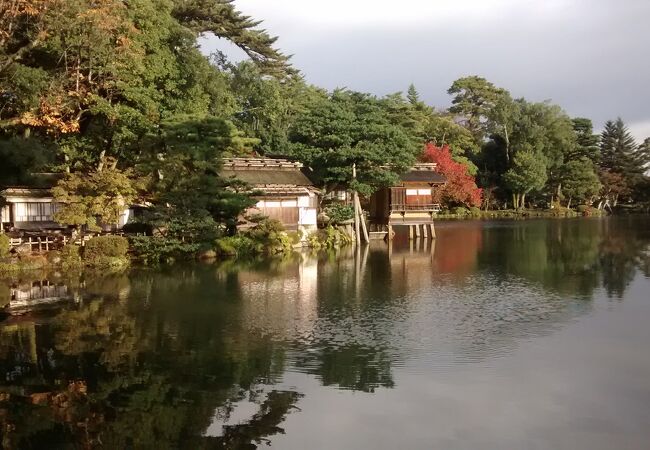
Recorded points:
(199, 356)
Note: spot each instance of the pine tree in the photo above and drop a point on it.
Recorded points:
(412, 95)
(587, 143)
(617, 147)
(643, 154)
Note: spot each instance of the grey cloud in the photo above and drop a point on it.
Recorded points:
(590, 59)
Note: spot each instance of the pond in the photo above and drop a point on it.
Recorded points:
(497, 335)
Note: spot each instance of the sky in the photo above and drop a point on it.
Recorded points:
(589, 56)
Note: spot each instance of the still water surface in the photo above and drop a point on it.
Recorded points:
(498, 335)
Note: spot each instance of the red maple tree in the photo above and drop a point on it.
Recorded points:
(460, 187)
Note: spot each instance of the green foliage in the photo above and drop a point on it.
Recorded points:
(339, 212)
(349, 128)
(579, 180)
(442, 130)
(269, 236)
(266, 237)
(587, 143)
(528, 173)
(236, 246)
(474, 99)
(617, 148)
(190, 163)
(70, 256)
(107, 252)
(4, 245)
(90, 199)
(161, 249)
(328, 238)
(460, 211)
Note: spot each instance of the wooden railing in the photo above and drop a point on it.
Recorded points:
(39, 244)
(430, 207)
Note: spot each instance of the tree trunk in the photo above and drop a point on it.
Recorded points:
(568, 205)
(357, 236)
(523, 201)
(507, 139)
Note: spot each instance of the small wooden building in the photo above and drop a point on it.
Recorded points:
(282, 190)
(411, 202)
(32, 207)
(28, 209)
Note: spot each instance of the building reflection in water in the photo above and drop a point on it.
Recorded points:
(196, 355)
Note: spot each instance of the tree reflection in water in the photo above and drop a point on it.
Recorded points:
(154, 358)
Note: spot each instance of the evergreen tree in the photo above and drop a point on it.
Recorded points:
(587, 143)
(412, 95)
(352, 128)
(617, 148)
(474, 99)
(579, 180)
(643, 155)
(528, 173)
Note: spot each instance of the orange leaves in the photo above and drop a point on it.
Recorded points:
(461, 186)
(53, 116)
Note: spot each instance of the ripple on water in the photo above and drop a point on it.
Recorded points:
(436, 327)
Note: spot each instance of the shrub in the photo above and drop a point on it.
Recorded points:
(5, 245)
(70, 256)
(106, 252)
(269, 236)
(338, 213)
(238, 245)
(475, 212)
(156, 249)
(460, 211)
(328, 238)
(295, 237)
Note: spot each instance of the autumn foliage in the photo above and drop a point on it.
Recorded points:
(460, 188)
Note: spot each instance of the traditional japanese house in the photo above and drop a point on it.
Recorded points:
(32, 207)
(28, 209)
(411, 202)
(282, 190)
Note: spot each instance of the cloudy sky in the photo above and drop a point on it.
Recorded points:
(589, 56)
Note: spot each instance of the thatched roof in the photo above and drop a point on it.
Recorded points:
(268, 174)
(424, 173)
(21, 192)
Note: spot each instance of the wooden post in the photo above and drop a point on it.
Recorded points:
(417, 231)
(364, 229)
(357, 235)
(424, 231)
(410, 232)
(358, 210)
(433, 230)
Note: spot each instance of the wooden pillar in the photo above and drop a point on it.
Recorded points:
(411, 232)
(424, 231)
(433, 231)
(417, 231)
